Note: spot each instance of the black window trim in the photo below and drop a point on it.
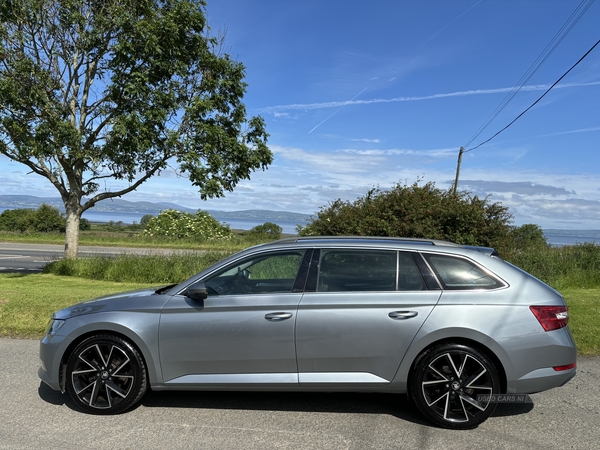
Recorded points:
(313, 271)
(429, 276)
(302, 275)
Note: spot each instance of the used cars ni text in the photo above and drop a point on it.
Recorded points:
(452, 326)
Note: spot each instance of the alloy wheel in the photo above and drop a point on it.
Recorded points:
(454, 386)
(105, 375)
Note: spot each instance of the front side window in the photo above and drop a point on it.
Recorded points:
(459, 274)
(357, 270)
(260, 274)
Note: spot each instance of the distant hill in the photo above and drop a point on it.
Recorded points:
(111, 205)
(573, 233)
(120, 205)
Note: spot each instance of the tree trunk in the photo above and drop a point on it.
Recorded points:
(73, 214)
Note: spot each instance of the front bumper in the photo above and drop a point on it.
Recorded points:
(51, 351)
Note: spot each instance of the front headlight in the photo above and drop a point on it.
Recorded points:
(53, 326)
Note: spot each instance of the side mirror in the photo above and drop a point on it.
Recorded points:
(196, 291)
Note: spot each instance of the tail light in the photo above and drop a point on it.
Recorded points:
(566, 367)
(551, 317)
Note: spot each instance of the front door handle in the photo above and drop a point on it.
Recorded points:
(401, 315)
(278, 316)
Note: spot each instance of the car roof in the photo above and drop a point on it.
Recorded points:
(369, 241)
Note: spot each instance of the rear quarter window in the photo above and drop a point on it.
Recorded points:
(461, 274)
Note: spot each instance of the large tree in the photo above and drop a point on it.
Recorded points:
(93, 90)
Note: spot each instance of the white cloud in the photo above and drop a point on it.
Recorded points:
(369, 141)
(581, 130)
(313, 106)
(303, 180)
(517, 187)
(434, 153)
(552, 200)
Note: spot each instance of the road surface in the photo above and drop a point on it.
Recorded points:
(33, 416)
(31, 258)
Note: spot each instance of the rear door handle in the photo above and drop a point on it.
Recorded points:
(401, 315)
(278, 316)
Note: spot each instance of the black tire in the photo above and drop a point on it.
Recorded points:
(105, 375)
(450, 384)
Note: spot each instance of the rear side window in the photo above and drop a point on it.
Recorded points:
(460, 274)
(357, 270)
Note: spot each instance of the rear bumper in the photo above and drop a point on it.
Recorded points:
(533, 359)
(540, 380)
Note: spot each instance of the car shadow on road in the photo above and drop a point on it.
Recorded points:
(514, 409)
(351, 403)
(51, 396)
(395, 405)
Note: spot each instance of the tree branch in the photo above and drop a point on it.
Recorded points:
(42, 169)
(104, 195)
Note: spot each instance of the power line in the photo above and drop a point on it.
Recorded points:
(548, 50)
(462, 149)
(541, 97)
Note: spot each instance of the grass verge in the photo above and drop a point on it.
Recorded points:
(28, 301)
(149, 269)
(584, 316)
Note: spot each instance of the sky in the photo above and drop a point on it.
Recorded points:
(362, 94)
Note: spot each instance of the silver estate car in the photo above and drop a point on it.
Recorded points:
(454, 327)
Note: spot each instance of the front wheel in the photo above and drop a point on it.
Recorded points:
(453, 384)
(105, 375)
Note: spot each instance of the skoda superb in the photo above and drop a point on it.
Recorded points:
(452, 326)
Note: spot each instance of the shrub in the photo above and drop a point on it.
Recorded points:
(573, 266)
(48, 218)
(177, 224)
(268, 231)
(527, 236)
(44, 219)
(146, 218)
(84, 224)
(16, 220)
(417, 211)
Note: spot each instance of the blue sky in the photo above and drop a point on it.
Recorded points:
(358, 94)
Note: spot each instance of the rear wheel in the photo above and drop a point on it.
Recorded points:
(452, 385)
(105, 375)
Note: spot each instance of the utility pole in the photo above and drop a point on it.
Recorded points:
(460, 153)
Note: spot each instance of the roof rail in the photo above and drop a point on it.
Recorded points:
(370, 238)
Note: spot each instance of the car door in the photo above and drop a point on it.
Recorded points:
(243, 333)
(366, 308)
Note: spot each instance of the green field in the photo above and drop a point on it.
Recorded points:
(98, 236)
(28, 301)
(584, 316)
